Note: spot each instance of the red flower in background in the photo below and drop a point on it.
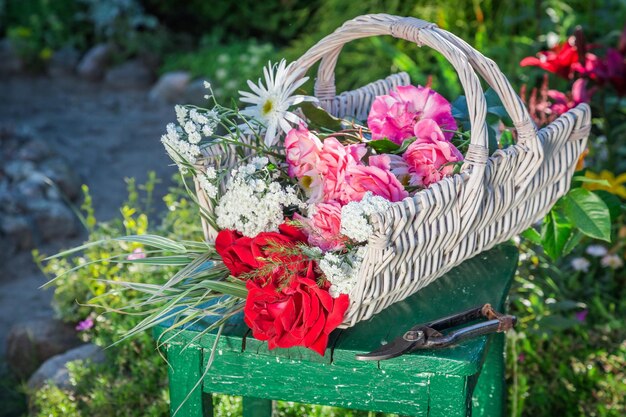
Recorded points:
(302, 314)
(566, 61)
(563, 102)
(612, 70)
(558, 60)
(545, 105)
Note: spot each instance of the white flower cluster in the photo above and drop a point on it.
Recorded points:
(181, 142)
(253, 203)
(341, 270)
(355, 216)
(197, 123)
(207, 181)
(178, 148)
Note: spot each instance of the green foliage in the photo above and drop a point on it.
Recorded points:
(133, 378)
(134, 375)
(226, 66)
(38, 27)
(12, 396)
(580, 212)
(567, 356)
(275, 21)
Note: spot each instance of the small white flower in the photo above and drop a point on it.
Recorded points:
(198, 117)
(207, 85)
(194, 137)
(580, 264)
(612, 261)
(210, 173)
(341, 270)
(596, 250)
(181, 114)
(270, 102)
(181, 151)
(189, 127)
(207, 185)
(355, 216)
(207, 130)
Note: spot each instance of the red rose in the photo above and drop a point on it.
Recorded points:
(301, 314)
(243, 254)
(236, 252)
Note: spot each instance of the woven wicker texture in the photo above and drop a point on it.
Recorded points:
(492, 199)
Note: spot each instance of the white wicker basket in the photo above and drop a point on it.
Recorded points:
(490, 201)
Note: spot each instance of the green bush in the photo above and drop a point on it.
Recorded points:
(134, 375)
(272, 21)
(39, 27)
(226, 66)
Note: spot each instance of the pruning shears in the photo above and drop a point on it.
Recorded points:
(430, 336)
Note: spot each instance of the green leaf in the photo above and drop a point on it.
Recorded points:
(566, 305)
(405, 144)
(583, 179)
(612, 202)
(588, 213)
(555, 234)
(532, 235)
(320, 118)
(160, 260)
(383, 146)
(506, 139)
(557, 322)
(494, 105)
(460, 110)
(154, 241)
(572, 242)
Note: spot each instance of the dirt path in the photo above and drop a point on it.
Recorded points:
(106, 135)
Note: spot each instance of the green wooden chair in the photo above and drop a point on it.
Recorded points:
(457, 381)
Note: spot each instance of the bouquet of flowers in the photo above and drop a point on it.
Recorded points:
(289, 193)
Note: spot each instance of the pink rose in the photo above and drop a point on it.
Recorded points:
(427, 156)
(335, 159)
(394, 116)
(324, 227)
(376, 178)
(302, 149)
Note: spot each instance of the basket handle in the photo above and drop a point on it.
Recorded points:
(462, 57)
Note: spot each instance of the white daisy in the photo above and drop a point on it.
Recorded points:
(270, 102)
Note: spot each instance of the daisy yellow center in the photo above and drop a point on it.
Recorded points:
(268, 106)
(306, 182)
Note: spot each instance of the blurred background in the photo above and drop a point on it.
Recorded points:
(86, 89)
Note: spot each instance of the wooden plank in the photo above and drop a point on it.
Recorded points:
(249, 374)
(185, 373)
(489, 395)
(450, 396)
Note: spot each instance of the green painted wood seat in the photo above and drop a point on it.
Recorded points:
(455, 381)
